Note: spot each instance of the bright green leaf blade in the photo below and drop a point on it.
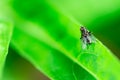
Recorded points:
(94, 58)
(47, 59)
(64, 32)
(5, 35)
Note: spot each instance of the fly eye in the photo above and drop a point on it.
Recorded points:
(82, 28)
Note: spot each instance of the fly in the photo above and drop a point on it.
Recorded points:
(86, 36)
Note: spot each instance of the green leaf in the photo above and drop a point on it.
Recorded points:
(53, 38)
(47, 59)
(5, 36)
(6, 27)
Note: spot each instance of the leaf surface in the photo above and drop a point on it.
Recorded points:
(5, 36)
(60, 34)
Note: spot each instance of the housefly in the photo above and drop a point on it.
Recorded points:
(86, 36)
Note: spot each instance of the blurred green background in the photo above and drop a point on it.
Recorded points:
(102, 17)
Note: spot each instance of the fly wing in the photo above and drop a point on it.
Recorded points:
(84, 43)
(93, 39)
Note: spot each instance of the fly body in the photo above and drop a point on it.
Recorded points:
(85, 35)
